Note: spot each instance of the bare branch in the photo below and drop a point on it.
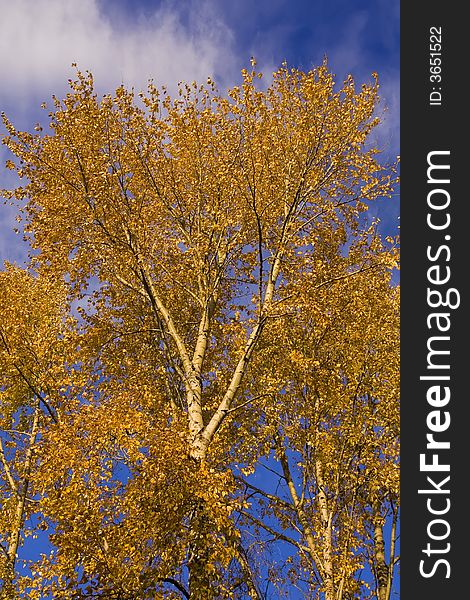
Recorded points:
(179, 586)
(6, 467)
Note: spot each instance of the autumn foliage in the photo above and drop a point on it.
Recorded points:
(199, 366)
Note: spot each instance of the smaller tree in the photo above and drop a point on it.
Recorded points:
(330, 427)
(33, 340)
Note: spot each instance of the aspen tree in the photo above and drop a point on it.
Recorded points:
(226, 299)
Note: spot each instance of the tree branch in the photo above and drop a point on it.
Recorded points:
(11, 481)
(276, 534)
(177, 585)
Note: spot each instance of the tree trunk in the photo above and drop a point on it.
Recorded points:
(381, 566)
(200, 583)
(21, 490)
(328, 576)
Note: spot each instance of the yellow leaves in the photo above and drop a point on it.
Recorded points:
(204, 289)
(32, 311)
(113, 522)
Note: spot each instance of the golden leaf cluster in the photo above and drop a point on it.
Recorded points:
(206, 299)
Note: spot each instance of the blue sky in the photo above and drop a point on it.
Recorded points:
(130, 41)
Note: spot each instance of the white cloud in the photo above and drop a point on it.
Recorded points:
(40, 39)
